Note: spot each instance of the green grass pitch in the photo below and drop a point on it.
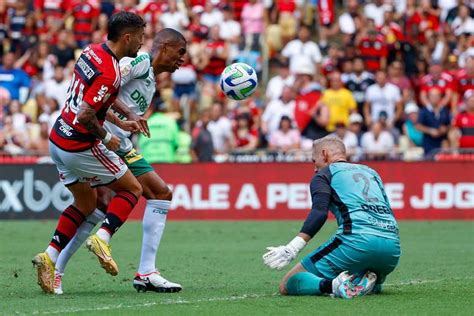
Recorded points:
(220, 266)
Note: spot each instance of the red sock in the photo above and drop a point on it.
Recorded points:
(68, 223)
(119, 208)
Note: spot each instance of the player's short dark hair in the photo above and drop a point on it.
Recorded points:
(166, 35)
(122, 22)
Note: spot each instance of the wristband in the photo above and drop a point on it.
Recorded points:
(297, 243)
(107, 138)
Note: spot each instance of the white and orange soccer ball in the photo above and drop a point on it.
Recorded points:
(239, 81)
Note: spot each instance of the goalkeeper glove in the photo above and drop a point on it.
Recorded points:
(280, 257)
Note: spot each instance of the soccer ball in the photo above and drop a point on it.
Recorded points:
(239, 81)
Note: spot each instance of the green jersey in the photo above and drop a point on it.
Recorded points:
(161, 147)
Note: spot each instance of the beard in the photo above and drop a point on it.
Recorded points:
(132, 53)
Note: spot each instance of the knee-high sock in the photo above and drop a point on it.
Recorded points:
(81, 235)
(305, 283)
(68, 222)
(118, 210)
(154, 221)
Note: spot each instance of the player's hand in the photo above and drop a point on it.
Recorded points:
(142, 123)
(279, 257)
(130, 126)
(113, 144)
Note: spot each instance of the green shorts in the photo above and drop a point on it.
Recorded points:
(136, 163)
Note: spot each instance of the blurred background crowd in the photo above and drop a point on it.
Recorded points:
(393, 78)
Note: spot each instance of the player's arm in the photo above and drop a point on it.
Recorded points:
(123, 109)
(129, 126)
(279, 257)
(92, 102)
(87, 117)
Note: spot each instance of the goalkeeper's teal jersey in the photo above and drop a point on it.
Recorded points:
(358, 201)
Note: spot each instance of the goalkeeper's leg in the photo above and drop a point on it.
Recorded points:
(298, 281)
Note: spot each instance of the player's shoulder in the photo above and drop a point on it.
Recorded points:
(141, 58)
(321, 181)
(324, 174)
(103, 59)
(136, 66)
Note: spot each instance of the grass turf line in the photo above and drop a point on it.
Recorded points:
(219, 265)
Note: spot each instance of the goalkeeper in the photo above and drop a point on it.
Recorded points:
(366, 246)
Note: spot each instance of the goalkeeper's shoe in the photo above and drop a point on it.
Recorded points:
(58, 283)
(343, 287)
(103, 252)
(45, 269)
(155, 282)
(367, 281)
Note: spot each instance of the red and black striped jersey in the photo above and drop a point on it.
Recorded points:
(372, 51)
(465, 122)
(464, 81)
(96, 81)
(443, 83)
(84, 13)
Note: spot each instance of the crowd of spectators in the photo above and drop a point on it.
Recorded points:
(392, 78)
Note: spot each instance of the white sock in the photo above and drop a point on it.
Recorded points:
(81, 235)
(53, 253)
(104, 235)
(154, 221)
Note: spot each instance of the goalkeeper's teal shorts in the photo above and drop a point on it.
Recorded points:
(354, 253)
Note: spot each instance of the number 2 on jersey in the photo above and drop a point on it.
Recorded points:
(365, 191)
(75, 93)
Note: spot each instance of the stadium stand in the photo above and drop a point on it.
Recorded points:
(376, 73)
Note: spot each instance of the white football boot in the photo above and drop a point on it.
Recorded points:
(154, 282)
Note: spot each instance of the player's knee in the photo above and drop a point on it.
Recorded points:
(160, 192)
(103, 202)
(282, 288)
(86, 206)
(136, 188)
(303, 283)
(166, 194)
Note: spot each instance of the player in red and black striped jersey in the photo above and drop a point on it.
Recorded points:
(464, 122)
(437, 79)
(373, 50)
(465, 82)
(85, 16)
(83, 150)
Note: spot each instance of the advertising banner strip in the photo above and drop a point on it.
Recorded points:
(260, 191)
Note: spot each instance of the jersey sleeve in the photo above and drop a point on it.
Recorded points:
(321, 196)
(100, 91)
(133, 68)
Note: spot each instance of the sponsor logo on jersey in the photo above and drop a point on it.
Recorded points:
(139, 59)
(65, 128)
(93, 179)
(86, 69)
(139, 100)
(102, 94)
(125, 70)
(89, 53)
